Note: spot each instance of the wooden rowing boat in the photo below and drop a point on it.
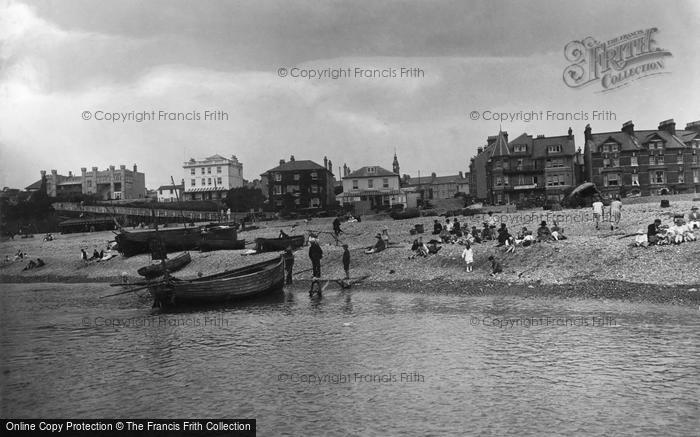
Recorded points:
(242, 283)
(208, 244)
(276, 244)
(172, 265)
(173, 239)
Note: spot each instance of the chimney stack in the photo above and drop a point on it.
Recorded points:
(291, 158)
(70, 174)
(587, 133)
(325, 162)
(668, 125)
(693, 125)
(461, 175)
(281, 161)
(479, 150)
(628, 128)
(330, 166)
(135, 168)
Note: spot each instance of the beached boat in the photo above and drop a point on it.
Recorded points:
(275, 244)
(173, 239)
(242, 283)
(208, 244)
(172, 265)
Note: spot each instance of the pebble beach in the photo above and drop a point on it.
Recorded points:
(590, 262)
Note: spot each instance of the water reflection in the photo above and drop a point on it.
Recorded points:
(486, 365)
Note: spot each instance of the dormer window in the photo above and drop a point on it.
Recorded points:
(519, 148)
(554, 148)
(371, 170)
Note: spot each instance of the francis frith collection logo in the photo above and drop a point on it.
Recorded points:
(614, 63)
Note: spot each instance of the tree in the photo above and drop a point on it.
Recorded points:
(244, 199)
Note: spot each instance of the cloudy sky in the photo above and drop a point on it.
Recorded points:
(61, 58)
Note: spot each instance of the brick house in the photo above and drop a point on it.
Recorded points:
(300, 184)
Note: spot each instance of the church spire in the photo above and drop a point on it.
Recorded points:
(395, 165)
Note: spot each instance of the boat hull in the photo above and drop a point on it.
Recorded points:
(276, 244)
(172, 265)
(220, 244)
(240, 284)
(174, 239)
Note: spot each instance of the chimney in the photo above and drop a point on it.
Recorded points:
(461, 175)
(94, 169)
(291, 158)
(540, 136)
(182, 182)
(505, 135)
(570, 132)
(83, 170)
(281, 161)
(490, 140)
(628, 128)
(54, 172)
(325, 162)
(121, 167)
(135, 168)
(70, 174)
(668, 125)
(111, 167)
(693, 125)
(479, 150)
(43, 173)
(587, 134)
(433, 175)
(330, 166)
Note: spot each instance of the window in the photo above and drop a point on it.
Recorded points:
(218, 181)
(202, 170)
(499, 181)
(171, 191)
(355, 184)
(292, 189)
(635, 180)
(657, 177)
(498, 165)
(89, 183)
(218, 169)
(297, 201)
(506, 180)
(278, 177)
(681, 178)
(278, 189)
(315, 202)
(695, 159)
(314, 175)
(555, 162)
(554, 148)
(193, 182)
(209, 170)
(696, 176)
(385, 183)
(518, 148)
(659, 160)
(611, 179)
(370, 183)
(296, 176)
(616, 162)
(614, 147)
(278, 202)
(191, 171)
(371, 170)
(606, 163)
(535, 180)
(314, 189)
(633, 161)
(208, 181)
(679, 159)
(204, 181)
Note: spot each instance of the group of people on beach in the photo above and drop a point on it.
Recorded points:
(680, 231)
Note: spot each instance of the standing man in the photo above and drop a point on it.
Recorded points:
(315, 253)
(597, 212)
(288, 264)
(336, 227)
(615, 212)
(694, 218)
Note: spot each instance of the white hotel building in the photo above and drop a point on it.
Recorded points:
(212, 177)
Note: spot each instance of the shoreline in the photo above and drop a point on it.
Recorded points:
(676, 294)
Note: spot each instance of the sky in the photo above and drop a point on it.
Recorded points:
(59, 59)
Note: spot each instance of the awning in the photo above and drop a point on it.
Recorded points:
(205, 189)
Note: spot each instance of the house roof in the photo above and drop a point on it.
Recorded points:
(363, 172)
(636, 142)
(170, 187)
(451, 179)
(35, 186)
(297, 165)
(500, 147)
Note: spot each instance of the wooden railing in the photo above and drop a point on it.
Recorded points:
(138, 212)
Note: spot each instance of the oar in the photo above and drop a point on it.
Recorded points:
(127, 291)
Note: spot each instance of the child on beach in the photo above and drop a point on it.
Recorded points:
(346, 261)
(597, 212)
(468, 256)
(496, 267)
